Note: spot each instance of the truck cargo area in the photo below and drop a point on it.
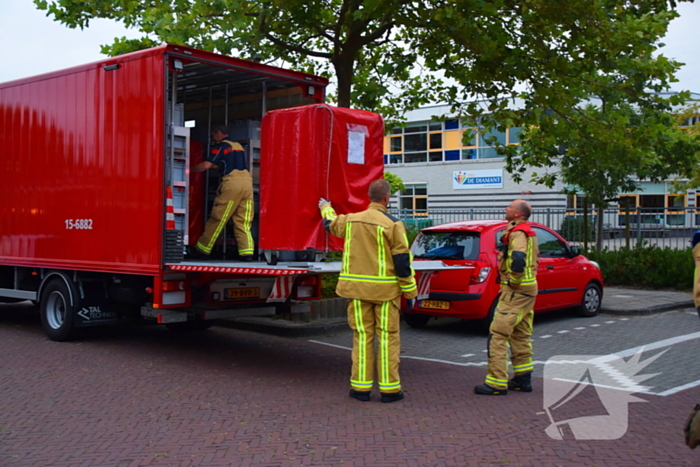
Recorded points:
(204, 93)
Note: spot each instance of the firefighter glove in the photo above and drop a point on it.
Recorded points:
(322, 202)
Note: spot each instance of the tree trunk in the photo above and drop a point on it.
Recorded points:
(344, 70)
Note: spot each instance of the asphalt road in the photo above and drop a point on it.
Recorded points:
(675, 334)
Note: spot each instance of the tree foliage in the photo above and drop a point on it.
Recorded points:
(395, 181)
(580, 77)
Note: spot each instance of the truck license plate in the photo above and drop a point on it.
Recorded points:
(435, 304)
(248, 292)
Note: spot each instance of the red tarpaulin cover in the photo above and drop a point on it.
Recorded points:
(311, 152)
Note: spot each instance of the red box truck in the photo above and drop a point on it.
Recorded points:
(98, 203)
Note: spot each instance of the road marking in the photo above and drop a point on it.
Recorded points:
(468, 355)
(609, 322)
(563, 331)
(579, 329)
(658, 344)
(595, 325)
(545, 336)
(624, 319)
(668, 392)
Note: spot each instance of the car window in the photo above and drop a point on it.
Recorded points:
(550, 246)
(446, 245)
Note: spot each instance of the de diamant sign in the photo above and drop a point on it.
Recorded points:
(477, 179)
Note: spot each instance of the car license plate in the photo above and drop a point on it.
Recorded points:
(435, 304)
(248, 292)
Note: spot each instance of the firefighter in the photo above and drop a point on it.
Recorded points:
(234, 197)
(512, 320)
(696, 282)
(376, 271)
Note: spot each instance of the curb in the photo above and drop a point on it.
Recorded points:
(648, 311)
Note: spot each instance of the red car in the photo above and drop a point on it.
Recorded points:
(565, 278)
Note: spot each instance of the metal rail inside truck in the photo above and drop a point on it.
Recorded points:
(99, 205)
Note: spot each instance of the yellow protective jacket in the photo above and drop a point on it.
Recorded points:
(376, 260)
(518, 263)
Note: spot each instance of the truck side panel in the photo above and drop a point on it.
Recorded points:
(81, 177)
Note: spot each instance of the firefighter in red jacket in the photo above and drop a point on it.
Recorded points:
(376, 271)
(234, 198)
(512, 320)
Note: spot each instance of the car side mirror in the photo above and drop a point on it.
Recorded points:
(575, 251)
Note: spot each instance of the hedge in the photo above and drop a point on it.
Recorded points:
(646, 266)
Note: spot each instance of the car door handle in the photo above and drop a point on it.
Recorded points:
(549, 266)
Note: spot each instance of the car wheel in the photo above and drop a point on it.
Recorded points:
(591, 301)
(415, 320)
(485, 323)
(57, 311)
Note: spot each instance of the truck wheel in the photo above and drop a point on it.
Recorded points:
(415, 320)
(188, 326)
(57, 311)
(591, 301)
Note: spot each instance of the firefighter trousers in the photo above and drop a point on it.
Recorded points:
(367, 319)
(512, 324)
(234, 198)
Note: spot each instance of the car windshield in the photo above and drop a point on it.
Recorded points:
(446, 245)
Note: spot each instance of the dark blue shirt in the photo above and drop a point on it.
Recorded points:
(228, 156)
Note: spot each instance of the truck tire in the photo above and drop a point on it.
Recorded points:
(591, 301)
(57, 311)
(415, 320)
(189, 326)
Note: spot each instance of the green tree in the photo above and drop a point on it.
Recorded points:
(590, 102)
(395, 181)
(578, 76)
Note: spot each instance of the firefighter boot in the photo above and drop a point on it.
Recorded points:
(486, 390)
(522, 382)
(360, 395)
(392, 397)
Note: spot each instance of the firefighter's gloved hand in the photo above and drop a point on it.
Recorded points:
(410, 303)
(322, 202)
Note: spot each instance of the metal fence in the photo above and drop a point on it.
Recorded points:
(614, 229)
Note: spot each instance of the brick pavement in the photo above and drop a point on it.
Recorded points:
(148, 397)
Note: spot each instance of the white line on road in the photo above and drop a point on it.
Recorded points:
(545, 336)
(609, 322)
(668, 392)
(468, 355)
(595, 325)
(563, 331)
(579, 328)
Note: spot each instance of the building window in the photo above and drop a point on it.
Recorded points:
(414, 200)
(395, 143)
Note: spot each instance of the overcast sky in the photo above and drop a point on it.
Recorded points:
(31, 43)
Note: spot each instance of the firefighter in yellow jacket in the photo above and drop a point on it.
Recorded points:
(512, 320)
(376, 271)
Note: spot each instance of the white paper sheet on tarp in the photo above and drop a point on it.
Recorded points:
(356, 143)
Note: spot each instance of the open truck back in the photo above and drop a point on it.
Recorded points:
(99, 204)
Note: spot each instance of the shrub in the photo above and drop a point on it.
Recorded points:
(646, 266)
(572, 228)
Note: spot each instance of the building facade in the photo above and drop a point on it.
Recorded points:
(442, 170)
